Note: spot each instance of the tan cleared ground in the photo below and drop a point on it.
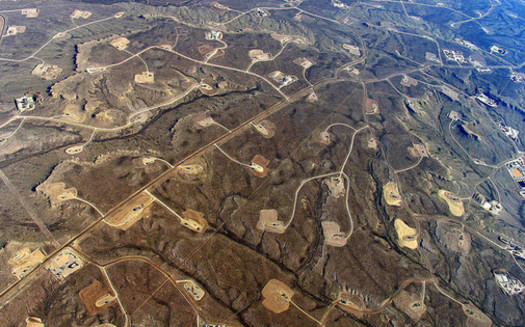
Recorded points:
(73, 113)
(30, 12)
(259, 55)
(209, 147)
(455, 205)
(47, 72)
(336, 186)
(260, 166)
(371, 107)
(130, 213)
(303, 62)
(411, 305)
(205, 49)
(194, 220)
(14, 30)
(65, 263)
(24, 261)
(196, 170)
(372, 143)
(312, 98)
(277, 296)
(450, 93)
(74, 149)
(412, 152)
(324, 138)
(283, 38)
(220, 6)
(352, 49)
(80, 14)
(34, 322)
(406, 235)
(213, 35)
(269, 222)
(121, 43)
(408, 81)
(332, 233)
(351, 302)
(191, 169)
(96, 297)
(107, 117)
(418, 150)
(194, 290)
(266, 128)
(475, 317)
(205, 86)
(458, 240)
(57, 192)
(391, 194)
(148, 160)
(201, 120)
(145, 78)
(432, 57)
(282, 79)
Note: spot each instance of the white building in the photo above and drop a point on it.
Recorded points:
(509, 284)
(25, 103)
(509, 131)
(498, 50)
(467, 44)
(214, 35)
(517, 77)
(64, 264)
(454, 55)
(483, 98)
(339, 4)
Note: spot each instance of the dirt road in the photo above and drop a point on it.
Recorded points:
(36, 219)
(209, 147)
(3, 27)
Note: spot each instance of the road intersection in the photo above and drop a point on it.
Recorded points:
(287, 100)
